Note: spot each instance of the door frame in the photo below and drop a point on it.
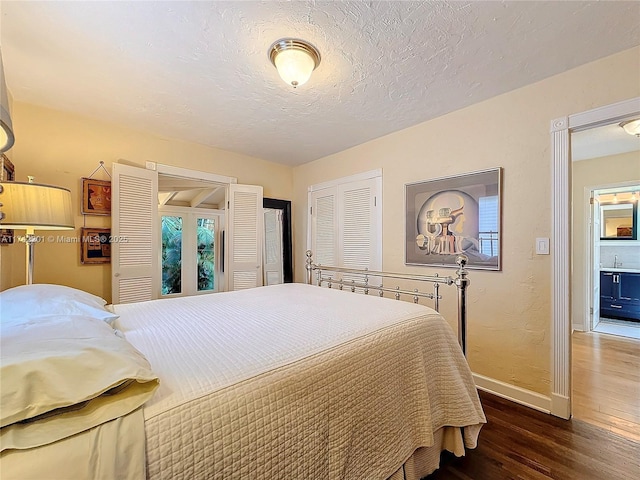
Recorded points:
(561, 237)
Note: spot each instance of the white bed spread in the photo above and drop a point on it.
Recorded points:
(295, 381)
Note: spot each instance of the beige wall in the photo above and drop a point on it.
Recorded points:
(602, 171)
(59, 148)
(509, 311)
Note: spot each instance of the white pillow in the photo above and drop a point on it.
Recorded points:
(66, 374)
(38, 300)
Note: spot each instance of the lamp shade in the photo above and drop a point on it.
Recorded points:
(32, 206)
(6, 128)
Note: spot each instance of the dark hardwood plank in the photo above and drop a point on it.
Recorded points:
(521, 443)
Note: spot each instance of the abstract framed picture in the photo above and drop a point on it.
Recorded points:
(96, 197)
(95, 245)
(449, 216)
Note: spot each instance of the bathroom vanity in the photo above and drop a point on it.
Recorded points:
(620, 293)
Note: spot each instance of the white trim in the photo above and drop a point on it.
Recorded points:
(560, 406)
(515, 394)
(182, 210)
(561, 188)
(605, 115)
(351, 178)
(190, 174)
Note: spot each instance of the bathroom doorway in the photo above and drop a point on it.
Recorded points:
(615, 260)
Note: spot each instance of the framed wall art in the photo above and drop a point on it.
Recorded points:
(453, 215)
(96, 197)
(95, 246)
(7, 174)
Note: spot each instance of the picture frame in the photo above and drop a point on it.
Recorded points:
(454, 215)
(96, 197)
(95, 245)
(7, 174)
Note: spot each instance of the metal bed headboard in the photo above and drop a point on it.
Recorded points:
(460, 281)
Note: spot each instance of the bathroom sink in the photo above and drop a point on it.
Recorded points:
(620, 269)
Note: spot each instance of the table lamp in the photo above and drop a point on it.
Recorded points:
(32, 206)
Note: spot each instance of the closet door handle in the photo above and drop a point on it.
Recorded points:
(616, 306)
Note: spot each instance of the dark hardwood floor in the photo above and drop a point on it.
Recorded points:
(521, 443)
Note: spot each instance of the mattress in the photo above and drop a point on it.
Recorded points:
(296, 381)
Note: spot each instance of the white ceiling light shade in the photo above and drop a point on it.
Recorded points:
(632, 127)
(294, 59)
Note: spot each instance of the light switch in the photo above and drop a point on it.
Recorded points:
(542, 246)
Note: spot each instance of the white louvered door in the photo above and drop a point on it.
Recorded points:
(245, 236)
(357, 210)
(346, 224)
(134, 228)
(323, 226)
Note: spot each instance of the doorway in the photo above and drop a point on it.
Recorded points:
(561, 240)
(278, 241)
(604, 176)
(615, 295)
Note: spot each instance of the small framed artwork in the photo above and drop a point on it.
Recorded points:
(96, 197)
(449, 216)
(7, 174)
(95, 245)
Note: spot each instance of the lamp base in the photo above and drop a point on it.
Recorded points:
(30, 240)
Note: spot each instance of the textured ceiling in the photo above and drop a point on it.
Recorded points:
(199, 71)
(602, 142)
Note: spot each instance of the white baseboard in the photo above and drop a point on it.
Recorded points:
(515, 394)
(560, 406)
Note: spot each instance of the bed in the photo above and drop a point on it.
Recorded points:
(287, 381)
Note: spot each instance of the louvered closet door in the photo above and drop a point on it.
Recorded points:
(324, 226)
(245, 233)
(134, 223)
(357, 210)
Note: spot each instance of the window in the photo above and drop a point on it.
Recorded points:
(488, 225)
(345, 224)
(189, 256)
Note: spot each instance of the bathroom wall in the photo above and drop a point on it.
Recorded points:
(628, 255)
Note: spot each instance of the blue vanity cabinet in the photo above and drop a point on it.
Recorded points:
(608, 288)
(620, 295)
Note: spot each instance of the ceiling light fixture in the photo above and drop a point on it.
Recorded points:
(294, 59)
(632, 127)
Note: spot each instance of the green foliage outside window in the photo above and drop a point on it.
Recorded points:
(172, 254)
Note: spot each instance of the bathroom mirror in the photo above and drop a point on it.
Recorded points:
(619, 221)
